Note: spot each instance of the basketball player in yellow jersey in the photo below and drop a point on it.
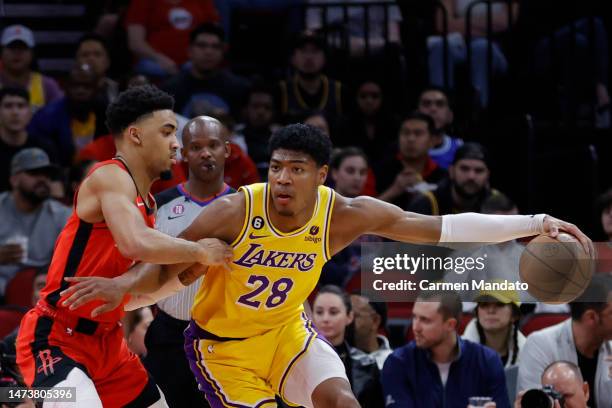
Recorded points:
(249, 338)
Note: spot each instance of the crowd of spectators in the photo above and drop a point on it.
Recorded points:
(411, 153)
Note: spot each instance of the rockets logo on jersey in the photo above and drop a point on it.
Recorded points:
(256, 255)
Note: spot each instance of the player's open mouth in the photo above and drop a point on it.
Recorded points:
(283, 198)
(208, 166)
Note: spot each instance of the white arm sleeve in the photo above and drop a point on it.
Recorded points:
(474, 227)
(169, 288)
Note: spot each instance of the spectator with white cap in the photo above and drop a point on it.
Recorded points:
(17, 52)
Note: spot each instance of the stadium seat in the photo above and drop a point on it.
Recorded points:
(541, 320)
(19, 289)
(10, 317)
(399, 310)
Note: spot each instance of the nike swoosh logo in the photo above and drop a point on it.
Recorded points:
(253, 236)
(176, 216)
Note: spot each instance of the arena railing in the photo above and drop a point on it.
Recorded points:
(330, 28)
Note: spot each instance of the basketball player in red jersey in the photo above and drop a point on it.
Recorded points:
(110, 228)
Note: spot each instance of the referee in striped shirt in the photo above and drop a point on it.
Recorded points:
(204, 150)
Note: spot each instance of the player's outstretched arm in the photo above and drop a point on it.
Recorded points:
(365, 215)
(115, 194)
(146, 283)
(149, 283)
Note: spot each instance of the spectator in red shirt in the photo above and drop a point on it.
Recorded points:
(158, 32)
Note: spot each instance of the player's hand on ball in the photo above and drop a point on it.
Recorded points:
(87, 289)
(216, 252)
(552, 227)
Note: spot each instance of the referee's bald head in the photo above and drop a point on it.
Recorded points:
(201, 125)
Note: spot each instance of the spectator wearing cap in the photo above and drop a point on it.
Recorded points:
(93, 51)
(411, 170)
(15, 115)
(496, 324)
(369, 318)
(207, 81)
(310, 90)
(466, 188)
(16, 69)
(69, 124)
(31, 221)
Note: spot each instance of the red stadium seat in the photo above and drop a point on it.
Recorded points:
(19, 289)
(399, 310)
(541, 320)
(354, 284)
(10, 317)
(465, 319)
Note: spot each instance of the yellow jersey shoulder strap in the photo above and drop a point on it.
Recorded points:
(37, 92)
(248, 199)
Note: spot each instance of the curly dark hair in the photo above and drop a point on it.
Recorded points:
(302, 138)
(133, 104)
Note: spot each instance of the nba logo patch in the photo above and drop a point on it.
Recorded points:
(178, 209)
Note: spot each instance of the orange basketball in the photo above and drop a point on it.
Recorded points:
(557, 270)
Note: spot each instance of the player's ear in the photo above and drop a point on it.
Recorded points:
(585, 388)
(14, 180)
(322, 176)
(228, 149)
(133, 134)
(184, 154)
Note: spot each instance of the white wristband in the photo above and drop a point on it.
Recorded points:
(474, 227)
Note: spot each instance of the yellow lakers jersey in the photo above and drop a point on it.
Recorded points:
(272, 273)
